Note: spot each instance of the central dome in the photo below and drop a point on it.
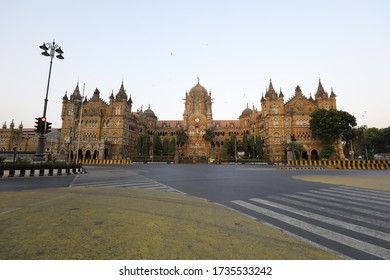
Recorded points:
(198, 91)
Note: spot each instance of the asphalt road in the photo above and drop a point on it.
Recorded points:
(353, 222)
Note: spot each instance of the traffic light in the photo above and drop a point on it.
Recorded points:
(37, 124)
(292, 137)
(42, 125)
(48, 127)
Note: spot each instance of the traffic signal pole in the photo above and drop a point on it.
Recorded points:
(45, 127)
(39, 156)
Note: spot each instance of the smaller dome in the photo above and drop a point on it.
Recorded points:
(246, 113)
(149, 113)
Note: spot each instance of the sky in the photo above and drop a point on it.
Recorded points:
(159, 48)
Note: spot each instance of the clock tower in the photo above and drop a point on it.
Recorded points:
(197, 118)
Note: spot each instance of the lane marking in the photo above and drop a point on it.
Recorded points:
(331, 235)
(360, 229)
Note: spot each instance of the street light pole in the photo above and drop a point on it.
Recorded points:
(80, 120)
(53, 49)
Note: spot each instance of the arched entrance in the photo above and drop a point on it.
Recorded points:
(80, 156)
(95, 154)
(314, 155)
(88, 154)
(305, 156)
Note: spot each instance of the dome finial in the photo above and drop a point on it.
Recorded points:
(197, 77)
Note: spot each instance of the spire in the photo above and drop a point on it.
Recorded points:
(281, 95)
(197, 77)
(76, 93)
(21, 125)
(122, 93)
(5, 125)
(320, 90)
(12, 125)
(332, 94)
(77, 89)
(298, 90)
(96, 94)
(320, 87)
(271, 91)
(65, 98)
(271, 87)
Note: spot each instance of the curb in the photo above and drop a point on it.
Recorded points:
(49, 172)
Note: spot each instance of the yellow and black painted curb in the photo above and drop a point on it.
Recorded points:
(38, 172)
(106, 161)
(342, 164)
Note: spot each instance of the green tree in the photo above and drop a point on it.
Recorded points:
(157, 145)
(230, 146)
(258, 144)
(330, 125)
(246, 145)
(165, 146)
(372, 141)
(143, 144)
(181, 137)
(172, 146)
(209, 135)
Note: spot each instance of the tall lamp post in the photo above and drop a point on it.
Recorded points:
(49, 49)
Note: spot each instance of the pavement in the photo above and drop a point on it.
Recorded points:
(122, 223)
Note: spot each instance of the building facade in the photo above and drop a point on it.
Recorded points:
(96, 129)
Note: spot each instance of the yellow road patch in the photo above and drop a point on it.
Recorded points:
(377, 182)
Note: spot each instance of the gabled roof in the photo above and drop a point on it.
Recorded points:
(169, 123)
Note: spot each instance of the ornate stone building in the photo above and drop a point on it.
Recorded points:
(96, 129)
(19, 139)
(279, 119)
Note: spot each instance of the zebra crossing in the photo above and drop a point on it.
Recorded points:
(352, 222)
(129, 180)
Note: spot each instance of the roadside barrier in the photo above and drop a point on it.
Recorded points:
(106, 161)
(344, 164)
(41, 172)
(303, 167)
